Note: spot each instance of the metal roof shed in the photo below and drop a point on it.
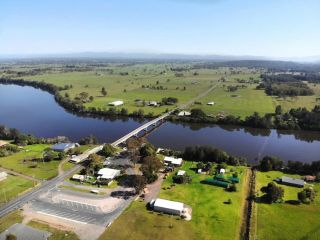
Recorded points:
(169, 207)
(292, 181)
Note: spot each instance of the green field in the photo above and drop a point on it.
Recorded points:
(284, 220)
(301, 101)
(12, 187)
(124, 82)
(211, 218)
(43, 170)
(241, 103)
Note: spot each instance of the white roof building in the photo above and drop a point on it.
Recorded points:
(181, 173)
(78, 177)
(184, 113)
(108, 173)
(173, 161)
(153, 103)
(116, 103)
(3, 176)
(210, 103)
(222, 171)
(166, 206)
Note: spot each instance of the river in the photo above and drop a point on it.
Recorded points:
(36, 112)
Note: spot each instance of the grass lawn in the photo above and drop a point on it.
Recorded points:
(56, 233)
(12, 187)
(46, 170)
(211, 218)
(10, 219)
(67, 166)
(284, 220)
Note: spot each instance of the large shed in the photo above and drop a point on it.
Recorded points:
(64, 147)
(167, 206)
(116, 103)
(108, 173)
(291, 181)
(173, 161)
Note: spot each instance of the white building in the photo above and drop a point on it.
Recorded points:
(166, 206)
(77, 177)
(173, 161)
(181, 173)
(222, 171)
(108, 174)
(210, 103)
(184, 113)
(3, 176)
(116, 103)
(153, 104)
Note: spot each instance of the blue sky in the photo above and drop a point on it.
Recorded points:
(276, 28)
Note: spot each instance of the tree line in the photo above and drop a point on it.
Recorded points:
(284, 85)
(269, 163)
(295, 119)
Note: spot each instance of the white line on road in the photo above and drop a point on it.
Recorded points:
(52, 215)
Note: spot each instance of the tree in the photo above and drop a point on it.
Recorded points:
(11, 236)
(88, 140)
(103, 91)
(232, 188)
(274, 193)
(307, 195)
(200, 165)
(95, 163)
(270, 163)
(138, 182)
(149, 168)
(278, 110)
(197, 113)
(108, 150)
(182, 179)
(147, 150)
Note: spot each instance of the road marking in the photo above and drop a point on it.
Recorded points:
(53, 215)
(79, 202)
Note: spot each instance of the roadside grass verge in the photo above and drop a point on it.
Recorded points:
(12, 187)
(10, 219)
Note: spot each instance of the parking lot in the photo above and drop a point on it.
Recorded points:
(79, 206)
(70, 211)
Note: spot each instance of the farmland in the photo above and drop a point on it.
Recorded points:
(299, 221)
(211, 217)
(137, 84)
